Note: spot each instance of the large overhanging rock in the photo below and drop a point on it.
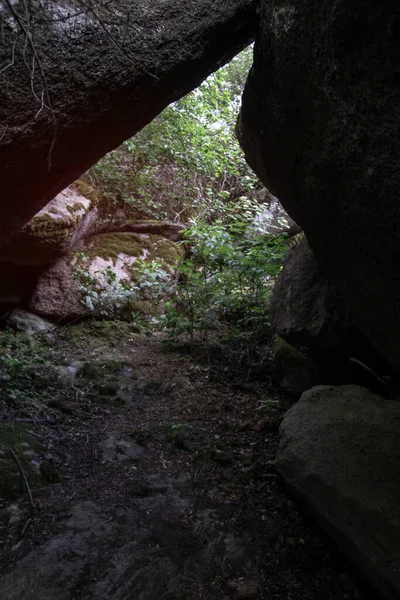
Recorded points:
(76, 81)
(340, 454)
(320, 126)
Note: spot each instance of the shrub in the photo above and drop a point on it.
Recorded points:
(225, 279)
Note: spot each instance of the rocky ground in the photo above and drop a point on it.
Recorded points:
(128, 471)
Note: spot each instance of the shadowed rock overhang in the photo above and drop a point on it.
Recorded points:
(77, 79)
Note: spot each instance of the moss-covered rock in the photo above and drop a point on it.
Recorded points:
(59, 219)
(81, 284)
(84, 188)
(26, 448)
(50, 232)
(112, 246)
(294, 371)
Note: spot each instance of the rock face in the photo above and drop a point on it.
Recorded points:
(76, 85)
(307, 311)
(294, 371)
(340, 454)
(56, 230)
(100, 277)
(69, 241)
(320, 126)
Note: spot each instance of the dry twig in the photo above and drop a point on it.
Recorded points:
(23, 475)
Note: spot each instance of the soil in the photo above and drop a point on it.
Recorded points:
(160, 483)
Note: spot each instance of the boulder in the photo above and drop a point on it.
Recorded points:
(56, 230)
(76, 84)
(307, 311)
(26, 322)
(320, 126)
(101, 277)
(340, 455)
(293, 370)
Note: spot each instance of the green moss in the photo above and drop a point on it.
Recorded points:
(279, 345)
(165, 250)
(88, 191)
(24, 445)
(287, 354)
(75, 208)
(144, 308)
(110, 245)
(152, 222)
(294, 371)
(48, 230)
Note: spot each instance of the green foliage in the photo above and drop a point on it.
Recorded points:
(187, 166)
(225, 279)
(178, 435)
(106, 296)
(198, 131)
(267, 404)
(23, 367)
(110, 297)
(187, 162)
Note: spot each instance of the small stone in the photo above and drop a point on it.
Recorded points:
(15, 513)
(68, 373)
(27, 322)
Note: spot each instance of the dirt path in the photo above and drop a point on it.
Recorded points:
(166, 490)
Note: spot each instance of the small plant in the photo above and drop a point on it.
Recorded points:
(178, 434)
(225, 281)
(23, 367)
(102, 292)
(268, 404)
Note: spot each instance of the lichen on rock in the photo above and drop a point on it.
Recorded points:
(52, 232)
(59, 218)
